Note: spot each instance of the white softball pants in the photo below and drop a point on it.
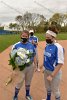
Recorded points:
(53, 86)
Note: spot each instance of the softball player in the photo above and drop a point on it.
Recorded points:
(53, 61)
(34, 40)
(27, 73)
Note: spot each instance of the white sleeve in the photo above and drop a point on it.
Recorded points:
(60, 54)
(13, 47)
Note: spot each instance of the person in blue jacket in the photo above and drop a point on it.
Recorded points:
(34, 40)
(27, 73)
(52, 62)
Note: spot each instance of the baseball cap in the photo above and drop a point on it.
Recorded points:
(31, 31)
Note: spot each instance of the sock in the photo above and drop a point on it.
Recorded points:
(48, 95)
(16, 92)
(27, 90)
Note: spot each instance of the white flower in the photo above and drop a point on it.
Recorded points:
(28, 60)
(19, 61)
(13, 52)
(28, 52)
(22, 50)
(23, 56)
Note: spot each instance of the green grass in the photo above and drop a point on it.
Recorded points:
(61, 36)
(7, 40)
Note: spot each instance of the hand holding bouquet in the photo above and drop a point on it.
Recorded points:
(20, 58)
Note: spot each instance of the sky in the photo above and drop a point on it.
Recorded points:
(9, 9)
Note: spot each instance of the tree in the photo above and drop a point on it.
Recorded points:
(10, 25)
(65, 19)
(20, 21)
(59, 18)
(1, 27)
(55, 18)
(29, 20)
(14, 26)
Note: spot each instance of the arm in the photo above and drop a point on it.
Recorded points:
(36, 43)
(60, 56)
(54, 73)
(35, 61)
(58, 67)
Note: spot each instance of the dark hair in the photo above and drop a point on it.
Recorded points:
(53, 28)
(25, 31)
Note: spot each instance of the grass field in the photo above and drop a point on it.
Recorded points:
(7, 40)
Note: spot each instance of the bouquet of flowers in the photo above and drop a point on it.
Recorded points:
(20, 58)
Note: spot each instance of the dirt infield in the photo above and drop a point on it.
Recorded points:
(37, 88)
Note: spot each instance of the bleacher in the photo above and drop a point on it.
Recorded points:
(2, 32)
